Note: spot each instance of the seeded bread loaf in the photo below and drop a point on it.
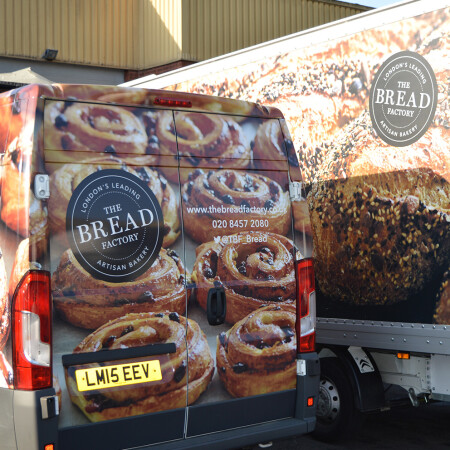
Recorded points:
(378, 239)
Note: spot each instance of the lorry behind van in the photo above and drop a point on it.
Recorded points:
(155, 284)
(366, 101)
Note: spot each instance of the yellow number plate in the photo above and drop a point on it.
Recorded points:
(118, 375)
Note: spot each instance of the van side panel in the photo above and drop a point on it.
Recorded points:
(32, 430)
(7, 437)
(376, 168)
(14, 214)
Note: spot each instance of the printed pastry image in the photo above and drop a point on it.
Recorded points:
(442, 314)
(11, 121)
(217, 203)
(258, 354)
(310, 90)
(20, 210)
(89, 303)
(254, 268)
(383, 236)
(270, 151)
(321, 88)
(64, 181)
(192, 357)
(91, 128)
(357, 151)
(269, 154)
(4, 304)
(204, 141)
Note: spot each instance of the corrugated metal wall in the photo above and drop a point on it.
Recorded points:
(138, 34)
(113, 33)
(216, 27)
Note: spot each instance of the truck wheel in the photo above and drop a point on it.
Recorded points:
(337, 416)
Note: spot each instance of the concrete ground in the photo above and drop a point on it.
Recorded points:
(401, 428)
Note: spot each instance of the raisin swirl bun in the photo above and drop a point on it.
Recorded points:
(228, 195)
(64, 181)
(254, 268)
(89, 303)
(20, 210)
(4, 304)
(192, 356)
(270, 152)
(442, 314)
(201, 140)
(257, 355)
(91, 129)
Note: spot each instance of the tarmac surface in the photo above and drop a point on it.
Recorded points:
(401, 428)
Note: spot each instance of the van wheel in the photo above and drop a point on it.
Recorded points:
(337, 416)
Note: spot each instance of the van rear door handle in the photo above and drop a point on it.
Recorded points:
(216, 306)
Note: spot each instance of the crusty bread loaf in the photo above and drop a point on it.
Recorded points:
(379, 238)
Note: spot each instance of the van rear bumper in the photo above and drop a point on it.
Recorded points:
(226, 424)
(22, 426)
(279, 429)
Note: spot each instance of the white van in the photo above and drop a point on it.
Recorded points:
(155, 286)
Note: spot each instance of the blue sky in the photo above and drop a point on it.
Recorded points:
(373, 3)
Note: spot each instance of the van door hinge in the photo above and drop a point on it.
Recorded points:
(295, 191)
(41, 186)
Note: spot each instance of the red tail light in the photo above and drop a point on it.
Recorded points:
(32, 332)
(172, 102)
(306, 306)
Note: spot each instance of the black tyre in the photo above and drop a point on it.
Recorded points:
(337, 416)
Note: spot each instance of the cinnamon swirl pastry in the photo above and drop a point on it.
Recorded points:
(89, 303)
(91, 128)
(202, 140)
(12, 117)
(232, 200)
(270, 152)
(20, 210)
(192, 356)
(64, 181)
(257, 355)
(442, 314)
(4, 304)
(254, 268)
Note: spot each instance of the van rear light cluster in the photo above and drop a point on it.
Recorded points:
(32, 332)
(172, 103)
(306, 306)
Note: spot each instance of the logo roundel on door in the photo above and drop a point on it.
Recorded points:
(115, 225)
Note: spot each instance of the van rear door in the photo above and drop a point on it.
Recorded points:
(239, 242)
(118, 276)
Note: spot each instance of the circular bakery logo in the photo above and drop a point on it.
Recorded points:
(115, 225)
(403, 98)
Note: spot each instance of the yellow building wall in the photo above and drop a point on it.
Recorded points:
(216, 27)
(139, 34)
